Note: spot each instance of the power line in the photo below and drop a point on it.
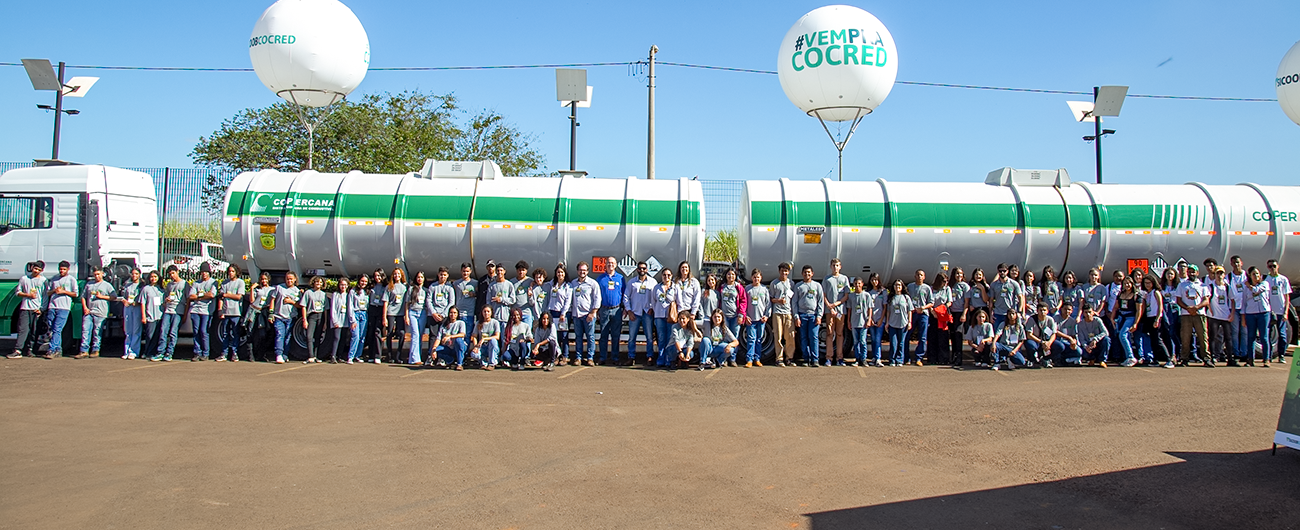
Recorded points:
(681, 65)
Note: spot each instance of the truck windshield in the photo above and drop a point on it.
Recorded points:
(25, 213)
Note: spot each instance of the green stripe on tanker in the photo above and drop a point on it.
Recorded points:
(947, 215)
(457, 207)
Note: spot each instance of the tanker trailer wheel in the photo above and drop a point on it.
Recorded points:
(299, 344)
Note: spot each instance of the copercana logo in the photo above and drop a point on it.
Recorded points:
(271, 39)
(1288, 79)
(838, 48)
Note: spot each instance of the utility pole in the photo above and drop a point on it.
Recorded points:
(58, 112)
(1096, 122)
(650, 133)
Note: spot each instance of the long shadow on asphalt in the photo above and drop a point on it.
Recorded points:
(1205, 490)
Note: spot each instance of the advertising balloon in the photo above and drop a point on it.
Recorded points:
(1288, 83)
(309, 52)
(837, 62)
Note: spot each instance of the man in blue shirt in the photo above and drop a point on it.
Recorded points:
(610, 316)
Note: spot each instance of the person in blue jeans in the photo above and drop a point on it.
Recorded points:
(173, 313)
(922, 296)
(62, 289)
(585, 307)
(716, 343)
(450, 344)
(758, 310)
(203, 300)
(1094, 340)
(809, 305)
(94, 309)
(1009, 342)
(638, 293)
(899, 310)
(359, 299)
(283, 304)
(485, 343)
(859, 318)
(611, 312)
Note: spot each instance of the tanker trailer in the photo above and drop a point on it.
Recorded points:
(454, 212)
(1026, 217)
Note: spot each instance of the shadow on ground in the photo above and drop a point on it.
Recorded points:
(1187, 494)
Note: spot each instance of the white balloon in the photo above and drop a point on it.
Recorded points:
(839, 61)
(309, 52)
(1288, 83)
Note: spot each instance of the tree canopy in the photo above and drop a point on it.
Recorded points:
(379, 133)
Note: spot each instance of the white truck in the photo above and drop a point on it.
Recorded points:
(88, 215)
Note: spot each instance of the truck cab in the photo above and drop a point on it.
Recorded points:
(89, 215)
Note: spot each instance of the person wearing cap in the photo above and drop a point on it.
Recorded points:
(202, 297)
(61, 290)
(31, 290)
(1219, 314)
(1192, 301)
(1279, 288)
(610, 317)
(94, 311)
(484, 283)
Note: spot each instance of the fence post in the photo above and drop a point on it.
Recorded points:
(162, 217)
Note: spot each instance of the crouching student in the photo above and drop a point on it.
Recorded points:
(1093, 339)
(546, 341)
(717, 342)
(980, 337)
(680, 348)
(1010, 341)
(486, 339)
(520, 336)
(1065, 350)
(450, 344)
(1042, 336)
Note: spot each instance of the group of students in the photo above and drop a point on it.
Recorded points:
(677, 319)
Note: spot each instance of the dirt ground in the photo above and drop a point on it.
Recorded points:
(109, 443)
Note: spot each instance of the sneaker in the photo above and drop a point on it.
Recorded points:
(221, 359)
(377, 361)
(1102, 364)
(1047, 364)
(749, 365)
(758, 364)
(1128, 363)
(1169, 364)
(701, 368)
(279, 359)
(918, 362)
(545, 368)
(994, 368)
(349, 361)
(1209, 364)
(459, 368)
(13, 355)
(878, 364)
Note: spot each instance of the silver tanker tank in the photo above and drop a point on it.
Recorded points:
(454, 212)
(1029, 218)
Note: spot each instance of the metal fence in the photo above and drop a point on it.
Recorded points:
(189, 202)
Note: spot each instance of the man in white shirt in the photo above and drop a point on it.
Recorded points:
(1279, 291)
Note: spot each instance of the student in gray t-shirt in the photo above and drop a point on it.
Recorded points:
(231, 312)
(94, 307)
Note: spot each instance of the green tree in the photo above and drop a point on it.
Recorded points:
(378, 133)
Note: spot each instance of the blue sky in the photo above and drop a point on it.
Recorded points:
(717, 125)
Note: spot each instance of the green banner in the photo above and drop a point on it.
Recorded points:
(1288, 423)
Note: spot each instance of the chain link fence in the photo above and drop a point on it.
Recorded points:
(189, 203)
